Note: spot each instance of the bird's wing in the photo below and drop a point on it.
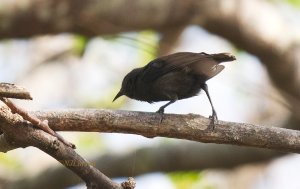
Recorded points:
(201, 64)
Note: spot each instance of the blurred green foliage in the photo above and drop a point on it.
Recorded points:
(106, 100)
(80, 43)
(90, 143)
(145, 45)
(189, 180)
(9, 162)
(89, 140)
(184, 180)
(295, 3)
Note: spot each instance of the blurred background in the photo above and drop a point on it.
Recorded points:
(74, 54)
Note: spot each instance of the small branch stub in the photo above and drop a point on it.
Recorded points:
(43, 125)
(129, 184)
(9, 90)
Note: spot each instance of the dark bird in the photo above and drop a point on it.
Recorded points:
(174, 77)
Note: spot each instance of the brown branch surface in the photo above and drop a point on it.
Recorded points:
(4, 145)
(9, 90)
(89, 17)
(22, 134)
(189, 127)
(35, 121)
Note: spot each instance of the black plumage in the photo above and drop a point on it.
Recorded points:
(173, 77)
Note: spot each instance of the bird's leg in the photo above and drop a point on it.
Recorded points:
(161, 110)
(213, 117)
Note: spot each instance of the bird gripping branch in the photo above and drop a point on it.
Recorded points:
(174, 77)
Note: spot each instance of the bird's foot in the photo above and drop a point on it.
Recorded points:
(213, 121)
(161, 113)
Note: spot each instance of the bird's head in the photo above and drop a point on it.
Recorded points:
(128, 84)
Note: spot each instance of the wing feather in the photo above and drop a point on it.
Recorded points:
(201, 64)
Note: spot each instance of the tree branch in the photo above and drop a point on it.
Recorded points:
(34, 120)
(4, 145)
(189, 127)
(22, 134)
(89, 17)
(179, 156)
(9, 90)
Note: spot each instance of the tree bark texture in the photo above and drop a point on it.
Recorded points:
(190, 127)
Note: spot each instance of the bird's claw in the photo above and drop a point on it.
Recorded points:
(214, 120)
(161, 113)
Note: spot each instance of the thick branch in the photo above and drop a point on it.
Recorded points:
(22, 134)
(89, 17)
(5, 146)
(189, 127)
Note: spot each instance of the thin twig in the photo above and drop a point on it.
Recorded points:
(43, 125)
(16, 131)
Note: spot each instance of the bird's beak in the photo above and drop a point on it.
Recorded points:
(118, 95)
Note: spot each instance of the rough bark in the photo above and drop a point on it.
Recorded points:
(190, 127)
(22, 134)
(8, 90)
